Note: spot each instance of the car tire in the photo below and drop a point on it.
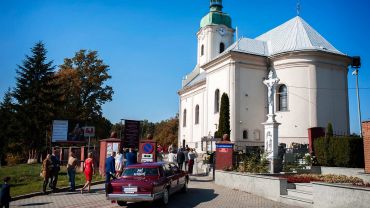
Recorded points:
(166, 196)
(121, 203)
(184, 189)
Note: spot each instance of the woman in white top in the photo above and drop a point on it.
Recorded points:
(172, 157)
(119, 164)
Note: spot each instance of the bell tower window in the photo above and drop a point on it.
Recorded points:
(222, 47)
(202, 50)
(217, 101)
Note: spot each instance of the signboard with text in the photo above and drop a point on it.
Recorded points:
(131, 134)
(89, 131)
(60, 130)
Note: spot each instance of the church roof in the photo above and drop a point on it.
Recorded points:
(295, 35)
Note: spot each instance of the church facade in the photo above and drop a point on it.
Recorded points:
(311, 93)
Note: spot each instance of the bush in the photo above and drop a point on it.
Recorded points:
(340, 151)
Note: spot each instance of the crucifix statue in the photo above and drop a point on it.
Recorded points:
(271, 84)
(271, 126)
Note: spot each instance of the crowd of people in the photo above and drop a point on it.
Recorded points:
(184, 157)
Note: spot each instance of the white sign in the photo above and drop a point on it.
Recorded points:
(89, 131)
(146, 158)
(60, 130)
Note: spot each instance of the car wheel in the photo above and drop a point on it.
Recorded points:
(166, 196)
(121, 203)
(185, 187)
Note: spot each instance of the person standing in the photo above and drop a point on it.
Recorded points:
(89, 171)
(110, 168)
(172, 157)
(192, 156)
(186, 154)
(71, 170)
(131, 157)
(180, 158)
(45, 172)
(119, 163)
(5, 197)
(54, 171)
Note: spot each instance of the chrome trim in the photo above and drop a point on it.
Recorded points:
(131, 197)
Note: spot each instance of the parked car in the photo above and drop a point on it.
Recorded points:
(148, 182)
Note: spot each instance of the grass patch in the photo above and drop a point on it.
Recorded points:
(26, 178)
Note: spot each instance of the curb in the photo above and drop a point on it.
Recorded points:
(25, 196)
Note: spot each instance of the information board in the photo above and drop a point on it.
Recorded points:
(131, 134)
(60, 130)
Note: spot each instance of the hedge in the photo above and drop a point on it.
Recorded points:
(340, 151)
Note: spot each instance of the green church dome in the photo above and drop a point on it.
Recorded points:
(216, 16)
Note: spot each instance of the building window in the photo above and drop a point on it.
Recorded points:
(184, 118)
(282, 98)
(245, 134)
(217, 101)
(202, 50)
(222, 47)
(197, 114)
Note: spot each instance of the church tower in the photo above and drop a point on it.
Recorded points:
(215, 33)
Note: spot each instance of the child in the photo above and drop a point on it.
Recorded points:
(5, 193)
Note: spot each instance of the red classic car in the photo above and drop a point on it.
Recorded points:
(147, 182)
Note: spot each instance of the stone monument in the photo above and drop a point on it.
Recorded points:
(271, 125)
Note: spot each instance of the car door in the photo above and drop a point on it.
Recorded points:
(171, 177)
(176, 176)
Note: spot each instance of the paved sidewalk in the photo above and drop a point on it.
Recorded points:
(202, 193)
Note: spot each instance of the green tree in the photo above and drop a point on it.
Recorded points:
(83, 80)
(329, 130)
(166, 131)
(224, 120)
(37, 97)
(8, 124)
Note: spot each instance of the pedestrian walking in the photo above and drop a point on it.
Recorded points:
(131, 157)
(172, 157)
(180, 158)
(5, 197)
(71, 170)
(119, 163)
(89, 171)
(192, 156)
(110, 168)
(45, 172)
(186, 153)
(54, 171)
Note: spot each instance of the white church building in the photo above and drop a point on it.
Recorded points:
(311, 93)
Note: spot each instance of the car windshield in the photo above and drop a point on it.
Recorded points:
(141, 172)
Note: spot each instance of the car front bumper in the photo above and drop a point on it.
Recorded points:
(134, 197)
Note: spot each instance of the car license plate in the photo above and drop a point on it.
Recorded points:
(129, 190)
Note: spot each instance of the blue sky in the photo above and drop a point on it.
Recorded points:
(151, 45)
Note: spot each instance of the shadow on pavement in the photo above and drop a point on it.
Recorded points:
(180, 200)
(34, 204)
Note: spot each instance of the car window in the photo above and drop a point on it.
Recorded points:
(174, 167)
(167, 169)
(141, 172)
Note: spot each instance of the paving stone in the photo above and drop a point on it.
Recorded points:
(202, 193)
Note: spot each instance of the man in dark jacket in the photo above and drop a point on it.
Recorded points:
(55, 171)
(5, 193)
(180, 158)
(110, 169)
(131, 157)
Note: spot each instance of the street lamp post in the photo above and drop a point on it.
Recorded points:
(356, 63)
(120, 131)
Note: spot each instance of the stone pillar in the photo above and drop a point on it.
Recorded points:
(272, 144)
(224, 155)
(366, 136)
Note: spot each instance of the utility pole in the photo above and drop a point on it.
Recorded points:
(356, 63)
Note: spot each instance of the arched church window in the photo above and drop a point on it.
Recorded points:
(222, 47)
(184, 118)
(197, 114)
(282, 98)
(202, 50)
(245, 134)
(217, 101)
